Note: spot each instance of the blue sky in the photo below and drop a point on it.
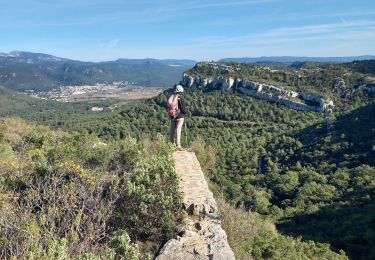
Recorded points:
(97, 30)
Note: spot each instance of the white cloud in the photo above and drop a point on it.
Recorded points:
(124, 12)
(203, 5)
(319, 28)
(108, 45)
(113, 43)
(343, 30)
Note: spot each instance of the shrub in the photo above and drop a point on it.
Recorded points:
(72, 195)
(150, 204)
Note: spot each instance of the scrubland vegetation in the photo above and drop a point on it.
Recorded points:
(71, 195)
(293, 187)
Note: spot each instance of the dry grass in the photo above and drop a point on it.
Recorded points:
(240, 226)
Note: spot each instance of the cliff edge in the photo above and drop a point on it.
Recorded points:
(202, 236)
(218, 76)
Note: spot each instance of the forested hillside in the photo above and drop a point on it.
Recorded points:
(313, 181)
(16, 104)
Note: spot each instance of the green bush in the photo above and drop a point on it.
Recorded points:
(150, 204)
(123, 247)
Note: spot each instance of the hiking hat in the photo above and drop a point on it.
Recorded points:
(179, 89)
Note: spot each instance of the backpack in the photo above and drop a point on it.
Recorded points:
(173, 110)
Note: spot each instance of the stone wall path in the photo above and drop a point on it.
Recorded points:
(202, 236)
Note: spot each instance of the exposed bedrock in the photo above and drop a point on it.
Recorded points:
(291, 99)
(202, 237)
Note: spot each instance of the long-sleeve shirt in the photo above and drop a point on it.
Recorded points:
(181, 106)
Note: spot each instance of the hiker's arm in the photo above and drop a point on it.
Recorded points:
(183, 106)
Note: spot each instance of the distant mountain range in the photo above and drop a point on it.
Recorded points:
(169, 62)
(22, 71)
(31, 57)
(42, 72)
(288, 60)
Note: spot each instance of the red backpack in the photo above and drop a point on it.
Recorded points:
(173, 110)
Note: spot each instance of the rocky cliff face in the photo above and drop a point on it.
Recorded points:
(292, 99)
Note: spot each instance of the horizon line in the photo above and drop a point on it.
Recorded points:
(190, 59)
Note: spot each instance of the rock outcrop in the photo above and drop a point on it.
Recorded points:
(202, 236)
(339, 86)
(292, 99)
(367, 84)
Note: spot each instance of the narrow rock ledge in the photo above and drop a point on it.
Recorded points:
(202, 237)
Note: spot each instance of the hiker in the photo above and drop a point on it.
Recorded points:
(177, 111)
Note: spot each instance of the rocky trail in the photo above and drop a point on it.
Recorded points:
(202, 236)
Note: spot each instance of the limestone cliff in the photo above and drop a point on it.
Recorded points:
(292, 99)
(202, 236)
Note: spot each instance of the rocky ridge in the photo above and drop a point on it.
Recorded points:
(292, 99)
(202, 236)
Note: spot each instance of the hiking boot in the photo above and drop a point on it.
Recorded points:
(180, 149)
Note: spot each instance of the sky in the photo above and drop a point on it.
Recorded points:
(101, 30)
